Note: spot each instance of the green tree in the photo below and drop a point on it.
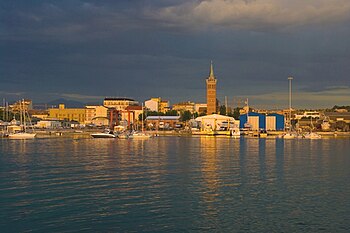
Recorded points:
(236, 113)
(171, 113)
(186, 115)
(222, 110)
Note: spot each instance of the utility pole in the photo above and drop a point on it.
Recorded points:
(290, 102)
(3, 110)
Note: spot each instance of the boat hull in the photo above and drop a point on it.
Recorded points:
(102, 135)
(289, 136)
(22, 136)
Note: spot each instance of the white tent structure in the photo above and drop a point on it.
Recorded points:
(216, 122)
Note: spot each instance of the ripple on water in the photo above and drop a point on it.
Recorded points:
(174, 184)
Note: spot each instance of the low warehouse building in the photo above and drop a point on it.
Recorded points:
(257, 121)
(162, 122)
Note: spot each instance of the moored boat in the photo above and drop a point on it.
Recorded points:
(289, 135)
(263, 134)
(108, 134)
(235, 133)
(140, 135)
(312, 135)
(22, 135)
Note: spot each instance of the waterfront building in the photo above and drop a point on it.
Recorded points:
(200, 108)
(341, 110)
(162, 122)
(119, 103)
(47, 124)
(156, 104)
(215, 122)
(130, 116)
(97, 115)
(39, 114)
(258, 121)
(184, 106)
(308, 114)
(275, 122)
(211, 92)
(338, 117)
(68, 114)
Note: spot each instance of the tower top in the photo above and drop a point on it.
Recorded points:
(211, 73)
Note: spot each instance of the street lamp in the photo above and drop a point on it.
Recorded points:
(290, 101)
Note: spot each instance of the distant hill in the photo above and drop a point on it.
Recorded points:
(56, 102)
(68, 103)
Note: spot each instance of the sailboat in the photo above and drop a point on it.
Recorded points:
(312, 135)
(22, 134)
(142, 134)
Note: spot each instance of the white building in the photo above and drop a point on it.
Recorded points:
(48, 124)
(152, 105)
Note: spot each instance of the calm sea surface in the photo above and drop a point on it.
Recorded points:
(175, 184)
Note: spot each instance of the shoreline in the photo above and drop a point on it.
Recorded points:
(86, 133)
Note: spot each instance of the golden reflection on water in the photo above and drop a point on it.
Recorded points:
(209, 170)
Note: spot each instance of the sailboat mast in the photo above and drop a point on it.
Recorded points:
(20, 113)
(142, 119)
(247, 109)
(24, 117)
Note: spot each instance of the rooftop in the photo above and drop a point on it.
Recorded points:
(119, 98)
(163, 118)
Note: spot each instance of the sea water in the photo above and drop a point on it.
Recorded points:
(175, 184)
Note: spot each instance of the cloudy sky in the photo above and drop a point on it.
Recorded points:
(87, 50)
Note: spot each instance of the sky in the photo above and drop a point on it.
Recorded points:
(88, 50)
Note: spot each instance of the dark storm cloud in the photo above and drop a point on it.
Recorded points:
(163, 48)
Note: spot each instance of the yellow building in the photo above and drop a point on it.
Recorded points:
(70, 114)
(211, 92)
(157, 104)
(164, 106)
(184, 106)
(97, 115)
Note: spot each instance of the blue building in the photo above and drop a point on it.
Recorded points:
(258, 121)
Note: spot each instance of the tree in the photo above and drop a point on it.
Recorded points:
(186, 115)
(236, 113)
(171, 113)
(222, 110)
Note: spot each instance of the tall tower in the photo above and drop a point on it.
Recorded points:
(211, 91)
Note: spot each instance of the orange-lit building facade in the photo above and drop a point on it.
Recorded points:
(211, 92)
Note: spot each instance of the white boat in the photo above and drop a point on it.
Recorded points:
(312, 135)
(124, 135)
(140, 135)
(235, 131)
(236, 134)
(108, 134)
(289, 135)
(23, 134)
